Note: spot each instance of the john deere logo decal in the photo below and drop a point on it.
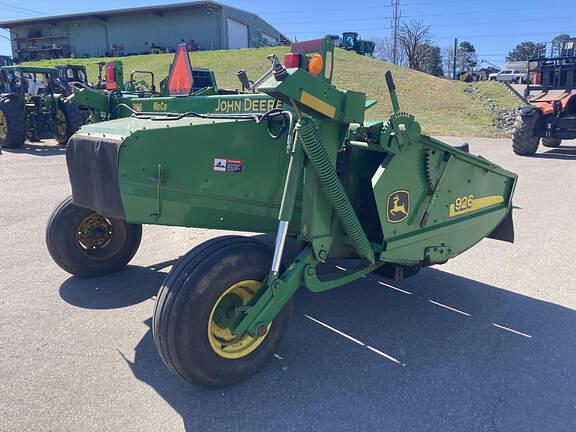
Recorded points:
(398, 205)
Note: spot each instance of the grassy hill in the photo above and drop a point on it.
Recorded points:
(441, 106)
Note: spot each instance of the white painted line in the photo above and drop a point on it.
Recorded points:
(512, 330)
(448, 307)
(340, 268)
(278, 357)
(395, 288)
(383, 354)
(389, 357)
(335, 330)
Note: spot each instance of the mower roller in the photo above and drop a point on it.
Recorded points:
(380, 194)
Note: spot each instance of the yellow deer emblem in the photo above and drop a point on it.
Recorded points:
(398, 206)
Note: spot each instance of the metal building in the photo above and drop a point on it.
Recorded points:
(204, 25)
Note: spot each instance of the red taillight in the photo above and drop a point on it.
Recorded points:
(292, 60)
(111, 77)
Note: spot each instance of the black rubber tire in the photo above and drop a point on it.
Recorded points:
(16, 120)
(551, 142)
(186, 299)
(524, 140)
(75, 118)
(73, 258)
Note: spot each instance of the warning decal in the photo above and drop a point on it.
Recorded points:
(227, 165)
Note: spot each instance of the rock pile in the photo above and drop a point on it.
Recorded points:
(504, 119)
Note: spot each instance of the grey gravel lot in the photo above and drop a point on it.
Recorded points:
(486, 342)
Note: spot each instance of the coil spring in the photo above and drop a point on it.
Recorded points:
(310, 138)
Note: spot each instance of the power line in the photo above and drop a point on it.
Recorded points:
(21, 9)
(464, 36)
(464, 23)
(337, 20)
(555, 32)
(436, 2)
(19, 14)
(514, 20)
(476, 13)
(325, 32)
(467, 23)
(300, 11)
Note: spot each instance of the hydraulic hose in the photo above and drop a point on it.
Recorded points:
(312, 144)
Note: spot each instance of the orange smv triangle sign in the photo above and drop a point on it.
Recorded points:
(180, 81)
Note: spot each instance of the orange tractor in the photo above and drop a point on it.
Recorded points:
(550, 115)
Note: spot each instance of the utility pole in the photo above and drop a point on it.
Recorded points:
(395, 25)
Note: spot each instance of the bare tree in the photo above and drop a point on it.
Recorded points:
(414, 38)
(384, 51)
(448, 60)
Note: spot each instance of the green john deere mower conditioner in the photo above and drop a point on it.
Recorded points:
(379, 193)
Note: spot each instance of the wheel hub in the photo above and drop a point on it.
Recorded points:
(225, 343)
(94, 232)
(61, 123)
(3, 126)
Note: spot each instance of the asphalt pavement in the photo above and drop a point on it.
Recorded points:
(486, 342)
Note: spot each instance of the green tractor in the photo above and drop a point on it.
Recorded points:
(381, 194)
(111, 78)
(68, 74)
(33, 106)
(4, 81)
(351, 41)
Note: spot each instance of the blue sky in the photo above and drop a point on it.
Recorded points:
(494, 27)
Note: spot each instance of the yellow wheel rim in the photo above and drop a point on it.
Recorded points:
(3, 126)
(225, 343)
(61, 124)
